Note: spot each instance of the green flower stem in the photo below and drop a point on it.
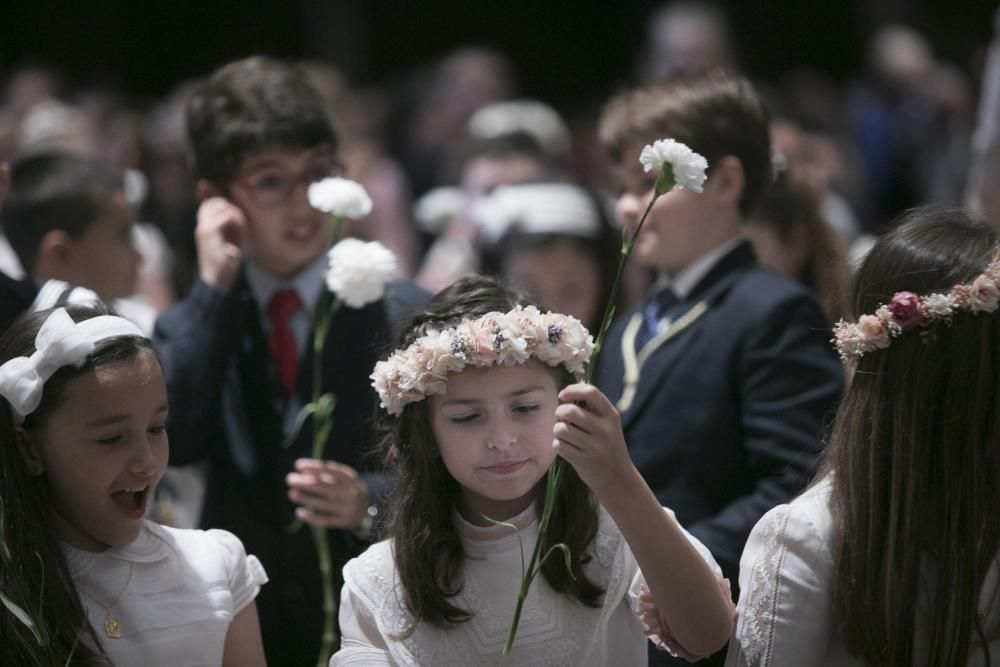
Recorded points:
(329, 636)
(664, 183)
(322, 418)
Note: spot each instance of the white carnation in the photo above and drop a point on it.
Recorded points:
(688, 167)
(341, 197)
(938, 305)
(359, 271)
(435, 210)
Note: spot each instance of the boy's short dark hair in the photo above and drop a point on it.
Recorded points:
(715, 113)
(249, 105)
(51, 191)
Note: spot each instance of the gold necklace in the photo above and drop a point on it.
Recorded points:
(112, 628)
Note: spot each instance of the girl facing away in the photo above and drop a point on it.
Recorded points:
(83, 443)
(480, 400)
(891, 557)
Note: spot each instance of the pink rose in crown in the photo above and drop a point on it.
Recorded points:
(906, 310)
(984, 295)
(874, 331)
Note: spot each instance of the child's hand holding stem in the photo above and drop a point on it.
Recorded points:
(588, 434)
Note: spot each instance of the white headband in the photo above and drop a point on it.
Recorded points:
(60, 342)
(537, 208)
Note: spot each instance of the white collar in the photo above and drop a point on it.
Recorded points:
(688, 278)
(308, 283)
(150, 546)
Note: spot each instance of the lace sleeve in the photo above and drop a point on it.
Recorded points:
(783, 613)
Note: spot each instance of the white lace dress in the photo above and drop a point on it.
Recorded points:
(184, 587)
(783, 617)
(554, 629)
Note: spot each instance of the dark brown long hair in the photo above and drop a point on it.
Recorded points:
(427, 548)
(790, 209)
(915, 456)
(33, 571)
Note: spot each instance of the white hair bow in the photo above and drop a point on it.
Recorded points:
(60, 342)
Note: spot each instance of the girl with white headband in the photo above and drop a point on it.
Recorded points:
(84, 578)
(480, 400)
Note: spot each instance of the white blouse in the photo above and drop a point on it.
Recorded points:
(554, 628)
(174, 593)
(785, 583)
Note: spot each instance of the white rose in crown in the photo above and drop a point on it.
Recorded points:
(359, 271)
(341, 197)
(688, 167)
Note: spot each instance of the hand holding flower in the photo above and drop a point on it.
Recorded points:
(588, 434)
(678, 166)
(329, 494)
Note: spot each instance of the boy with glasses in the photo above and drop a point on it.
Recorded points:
(237, 350)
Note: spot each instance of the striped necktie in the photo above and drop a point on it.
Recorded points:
(654, 311)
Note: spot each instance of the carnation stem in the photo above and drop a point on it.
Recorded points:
(322, 424)
(329, 637)
(663, 184)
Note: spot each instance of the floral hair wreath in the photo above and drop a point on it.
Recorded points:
(906, 311)
(495, 339)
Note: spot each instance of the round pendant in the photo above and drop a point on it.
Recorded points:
(111, 626)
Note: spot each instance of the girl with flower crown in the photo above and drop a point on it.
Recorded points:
(480, 400)
(891, 557)
(84, 578)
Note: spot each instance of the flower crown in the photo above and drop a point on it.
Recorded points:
(906, 311)
(495, 339)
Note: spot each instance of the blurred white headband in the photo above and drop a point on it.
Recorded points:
(531, 117)
(537, 208)
(60, 342)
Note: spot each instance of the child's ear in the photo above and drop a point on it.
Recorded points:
(205, 189)
(729, 180)
(55, 255)
(29, 452)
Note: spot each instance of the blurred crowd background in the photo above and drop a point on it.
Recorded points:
(438, 103)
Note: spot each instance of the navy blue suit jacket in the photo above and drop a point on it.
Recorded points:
(723, 412)
(16, 297)
(222, 385)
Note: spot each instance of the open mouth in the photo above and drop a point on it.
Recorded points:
(132, 501)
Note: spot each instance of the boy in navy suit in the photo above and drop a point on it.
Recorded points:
(724, 375)
(237, 352)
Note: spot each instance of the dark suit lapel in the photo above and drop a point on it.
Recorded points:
(645, 369)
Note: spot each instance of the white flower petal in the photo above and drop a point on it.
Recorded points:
(341, 197)
(689, 168)
(359, 271)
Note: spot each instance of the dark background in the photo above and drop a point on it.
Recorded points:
(564, 52)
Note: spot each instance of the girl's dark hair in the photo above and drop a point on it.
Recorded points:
(789, 207)
(426, 544)
(33, 572)
(915, 456)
